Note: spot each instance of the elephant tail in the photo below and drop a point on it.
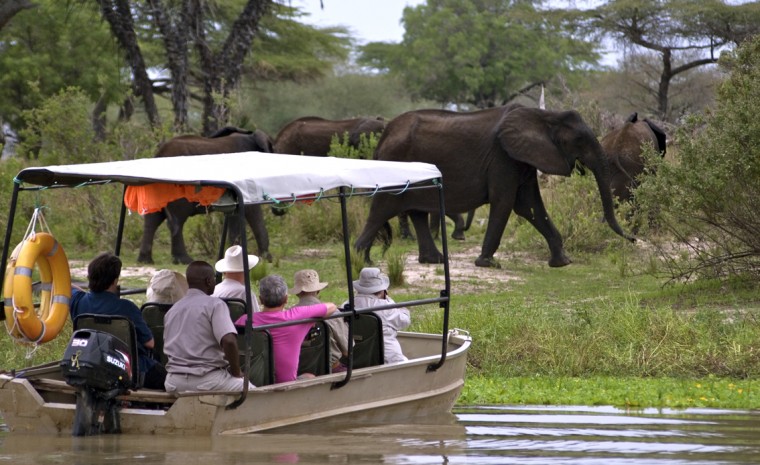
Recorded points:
(386, 236)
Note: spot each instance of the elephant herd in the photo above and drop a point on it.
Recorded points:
(488, 156)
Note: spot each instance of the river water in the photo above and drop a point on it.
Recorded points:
(482, 435)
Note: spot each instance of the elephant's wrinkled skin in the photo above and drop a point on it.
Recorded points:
(311, 135)
(176, 213)
(488, 156)
(623, 148)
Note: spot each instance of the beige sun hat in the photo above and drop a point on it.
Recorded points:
(371, 280)
(166, 287)
(233, 260)
(307, 281)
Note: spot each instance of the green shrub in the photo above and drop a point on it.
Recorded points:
(708, 199)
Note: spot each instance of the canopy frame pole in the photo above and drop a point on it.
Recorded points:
(7, 240)
(349, 277)
(446, 291)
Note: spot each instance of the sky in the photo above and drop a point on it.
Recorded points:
(367, 20)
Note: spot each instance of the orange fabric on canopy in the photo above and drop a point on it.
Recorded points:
(154, 197)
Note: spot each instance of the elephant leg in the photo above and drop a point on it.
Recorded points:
(428, 252)
(255, 218)
(177, 213)
(470, 218)
(530, 206)
(151, 223)
(404, 229)
(381, 210)
(435, 225)
(502, 204)
(459, 227)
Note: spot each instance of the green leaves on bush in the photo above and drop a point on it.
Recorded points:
(708, 198)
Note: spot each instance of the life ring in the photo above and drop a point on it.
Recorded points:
(23, 322)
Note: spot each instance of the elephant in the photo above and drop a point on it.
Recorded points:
(623, 147)
(226, 140)
(311, 135)
(504, 147)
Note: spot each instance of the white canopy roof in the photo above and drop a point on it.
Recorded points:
(259, 176)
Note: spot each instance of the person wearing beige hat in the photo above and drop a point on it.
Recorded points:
(232, 285)
(371, 291)
(306, 288)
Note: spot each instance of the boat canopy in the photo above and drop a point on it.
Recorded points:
(260, 177)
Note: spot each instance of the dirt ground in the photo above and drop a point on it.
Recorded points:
(465, 276)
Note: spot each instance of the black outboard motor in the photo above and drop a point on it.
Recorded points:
(98, 363)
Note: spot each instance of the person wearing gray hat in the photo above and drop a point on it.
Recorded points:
(232, 285)
(372, 291)
(306, 288)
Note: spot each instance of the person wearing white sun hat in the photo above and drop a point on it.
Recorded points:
(232, 285)
(372, 291)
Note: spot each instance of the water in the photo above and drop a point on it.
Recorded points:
(485, 435)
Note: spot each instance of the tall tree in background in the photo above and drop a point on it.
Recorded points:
(478, 53)
(54, 46)
(684, 34)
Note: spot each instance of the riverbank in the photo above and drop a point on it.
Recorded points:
(606, 330)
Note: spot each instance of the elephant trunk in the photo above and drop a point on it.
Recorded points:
(602, 175)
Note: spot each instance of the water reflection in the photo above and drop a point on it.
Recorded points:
(485, 435)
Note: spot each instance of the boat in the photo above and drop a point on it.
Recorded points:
(40, 400)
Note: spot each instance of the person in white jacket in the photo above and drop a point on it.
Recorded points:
(372, 291)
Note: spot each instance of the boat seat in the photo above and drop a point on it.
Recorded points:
(119, 326)
(368, 340)
(315, 351)
(153, 314)
(261, 372)
(237, 308)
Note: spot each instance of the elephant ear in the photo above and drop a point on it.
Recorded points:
(659, 134)
(526, 135)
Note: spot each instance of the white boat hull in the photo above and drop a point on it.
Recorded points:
(381, 394)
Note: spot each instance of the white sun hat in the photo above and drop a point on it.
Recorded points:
(233, 260)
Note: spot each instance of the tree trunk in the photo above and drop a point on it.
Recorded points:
(10, 8)
(175, 36)
(119, 16)
(222, 69)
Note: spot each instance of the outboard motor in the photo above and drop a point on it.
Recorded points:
(99, 365)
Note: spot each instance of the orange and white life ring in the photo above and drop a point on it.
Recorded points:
(22, 320)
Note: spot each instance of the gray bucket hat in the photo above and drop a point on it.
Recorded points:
(307, 281)
(371, 280)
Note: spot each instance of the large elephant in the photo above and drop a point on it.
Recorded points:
(623, 147)
(311, 135)
(488, 156)
(226, 140)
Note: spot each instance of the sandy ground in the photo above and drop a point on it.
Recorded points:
(465, 276)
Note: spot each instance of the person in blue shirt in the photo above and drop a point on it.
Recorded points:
(103, 299)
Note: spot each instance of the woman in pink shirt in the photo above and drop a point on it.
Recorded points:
(286, 340)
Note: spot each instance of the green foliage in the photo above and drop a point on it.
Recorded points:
(477, 53)
(396, 265)
(274, 104)
(58, 131)
(52, 47)
(708, 199)
(343, 149)
(623, 392)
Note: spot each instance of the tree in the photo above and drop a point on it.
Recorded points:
(54, 46)
(477, 52)
(207, 46)
(9, 9)
(709, 198)
(683, 34)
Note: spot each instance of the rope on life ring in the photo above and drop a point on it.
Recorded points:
(22, 321)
